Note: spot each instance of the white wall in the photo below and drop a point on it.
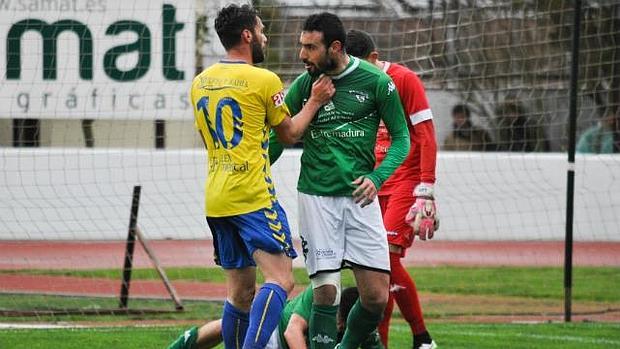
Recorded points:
(63, 193)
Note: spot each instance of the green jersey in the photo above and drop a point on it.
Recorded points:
(339, 143)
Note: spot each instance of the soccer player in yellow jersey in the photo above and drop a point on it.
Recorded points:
(235, 106)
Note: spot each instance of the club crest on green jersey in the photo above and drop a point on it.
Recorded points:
(359, 95)
(390, 87)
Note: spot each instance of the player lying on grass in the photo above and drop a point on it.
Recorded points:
(292, 331)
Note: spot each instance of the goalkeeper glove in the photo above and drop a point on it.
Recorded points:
(422, 216)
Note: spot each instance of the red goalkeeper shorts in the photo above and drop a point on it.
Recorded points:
(394, 208)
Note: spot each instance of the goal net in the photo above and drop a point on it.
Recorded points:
(94, 100)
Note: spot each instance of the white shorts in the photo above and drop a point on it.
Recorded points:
(337, 232)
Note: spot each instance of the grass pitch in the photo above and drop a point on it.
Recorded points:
(453, 336)
(455, 302)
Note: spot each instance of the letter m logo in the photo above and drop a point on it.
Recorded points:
(50, 33)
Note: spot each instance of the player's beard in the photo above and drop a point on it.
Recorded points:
(258, 55)
(326, 64)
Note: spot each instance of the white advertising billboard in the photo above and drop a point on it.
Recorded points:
(96, 59)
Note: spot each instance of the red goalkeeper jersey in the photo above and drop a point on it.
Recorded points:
(419, 166)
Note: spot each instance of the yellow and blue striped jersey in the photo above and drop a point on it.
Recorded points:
(235, 106)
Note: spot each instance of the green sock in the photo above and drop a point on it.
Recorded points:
(360, 325)
(322, 331)
(187, 340)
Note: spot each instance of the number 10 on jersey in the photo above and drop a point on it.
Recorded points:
(218, 134)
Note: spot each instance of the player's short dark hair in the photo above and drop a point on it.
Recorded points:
(232, 20)
(461, 109)
(359, 43)
(329, 24)
(347, 299)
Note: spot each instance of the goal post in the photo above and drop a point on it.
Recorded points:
(134, 233)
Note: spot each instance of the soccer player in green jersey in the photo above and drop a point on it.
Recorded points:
(292, 330)
(339, 218)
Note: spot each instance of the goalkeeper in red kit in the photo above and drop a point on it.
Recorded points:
(406, 198)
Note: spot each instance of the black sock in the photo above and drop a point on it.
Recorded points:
(422, 338)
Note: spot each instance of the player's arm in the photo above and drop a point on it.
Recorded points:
(294, 103)
(275, 148)
(210, 335)
(422, 215)
(425, 138)
(290, 130)
(279, 110)
(417, 110)
(391, 112)
(297, 327)
(295, 333)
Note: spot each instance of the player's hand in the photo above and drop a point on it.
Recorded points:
(365, 193)
(422, 216)
(322, 90)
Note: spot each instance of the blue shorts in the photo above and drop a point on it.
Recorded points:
(235, 238)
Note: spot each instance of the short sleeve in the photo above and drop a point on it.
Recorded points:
(276, 108)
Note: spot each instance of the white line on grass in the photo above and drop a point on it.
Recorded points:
(113, 328)
(10, 326)
(401, 328)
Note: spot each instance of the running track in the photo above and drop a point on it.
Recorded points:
(176, 253)
(15, 255)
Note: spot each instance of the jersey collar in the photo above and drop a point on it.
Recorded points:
(232, 61)
(354, 63)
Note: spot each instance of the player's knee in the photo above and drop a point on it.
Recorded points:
(287, 282)
(326, 288)
(326, 295)
(242, 297)
(375, 300)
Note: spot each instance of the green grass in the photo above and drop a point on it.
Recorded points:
(453, 336)
(525, 336)
(193, 309)
(448, 291)
(41, 303)
(589, 283)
